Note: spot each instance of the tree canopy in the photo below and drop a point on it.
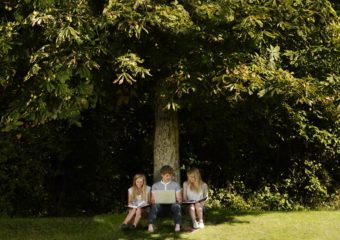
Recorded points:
(234, 70)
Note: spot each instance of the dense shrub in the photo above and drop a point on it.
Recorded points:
(280, 196)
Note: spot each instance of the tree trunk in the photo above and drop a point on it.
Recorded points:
(166, 142)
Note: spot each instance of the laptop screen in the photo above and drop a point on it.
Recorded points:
(165, 196)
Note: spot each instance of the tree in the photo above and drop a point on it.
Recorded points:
(58, 57)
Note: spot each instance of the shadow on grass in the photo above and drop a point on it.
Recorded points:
(107, 227)
(164, 228)
(221, 216)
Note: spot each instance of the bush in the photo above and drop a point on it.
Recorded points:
(267, 199)
(306, 183)
(334, 201)
(229, 198)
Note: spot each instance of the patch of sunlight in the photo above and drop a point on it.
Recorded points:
(156, 235)
(99, 220)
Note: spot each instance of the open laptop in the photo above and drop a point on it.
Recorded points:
(165, 196)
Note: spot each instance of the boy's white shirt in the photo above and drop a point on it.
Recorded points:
(165, 184)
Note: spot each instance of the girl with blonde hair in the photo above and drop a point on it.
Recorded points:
(194, 189)
(138, 196)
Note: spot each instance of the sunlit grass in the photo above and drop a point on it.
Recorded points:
(306, 225)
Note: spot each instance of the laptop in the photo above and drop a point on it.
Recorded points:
(165, 196)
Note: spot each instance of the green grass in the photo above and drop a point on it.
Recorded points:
(304, 225)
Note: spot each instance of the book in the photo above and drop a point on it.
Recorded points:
(142, 204)
(194, 201)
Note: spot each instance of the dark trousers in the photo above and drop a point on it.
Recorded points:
(164, 209)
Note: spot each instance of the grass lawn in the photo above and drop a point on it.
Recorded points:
(304, 225)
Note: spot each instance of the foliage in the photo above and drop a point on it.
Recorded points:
(334, 201)
(230, 198)
(302, 188)
(256, 84)
(57, 169)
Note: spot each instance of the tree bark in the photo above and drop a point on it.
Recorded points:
(166, 141)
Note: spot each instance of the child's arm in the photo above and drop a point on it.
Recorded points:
(205, 192)
(185, 196)
(130, 200)
(148, 195)
(178, 193)
(179, 196)
(152, 198)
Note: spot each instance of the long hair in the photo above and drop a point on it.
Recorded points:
(134, 192)
(196, 186)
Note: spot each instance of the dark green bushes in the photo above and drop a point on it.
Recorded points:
(302, 190)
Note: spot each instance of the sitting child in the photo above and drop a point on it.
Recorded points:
(138, 195)
(175, 208)
(195, 189)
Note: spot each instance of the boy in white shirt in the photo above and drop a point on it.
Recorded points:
(166, 184)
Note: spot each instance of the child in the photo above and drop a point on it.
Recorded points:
(137, 194)
(195, 189)
(166, 184)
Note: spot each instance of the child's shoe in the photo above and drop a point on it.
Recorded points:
(177, 227)
(124, 226)
(195, 224)
(150, 228)
(201, 224)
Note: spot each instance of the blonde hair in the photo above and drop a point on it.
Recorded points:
(196, 186)
(134, 191)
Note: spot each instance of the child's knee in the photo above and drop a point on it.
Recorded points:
(176, 208)
(133, 210)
